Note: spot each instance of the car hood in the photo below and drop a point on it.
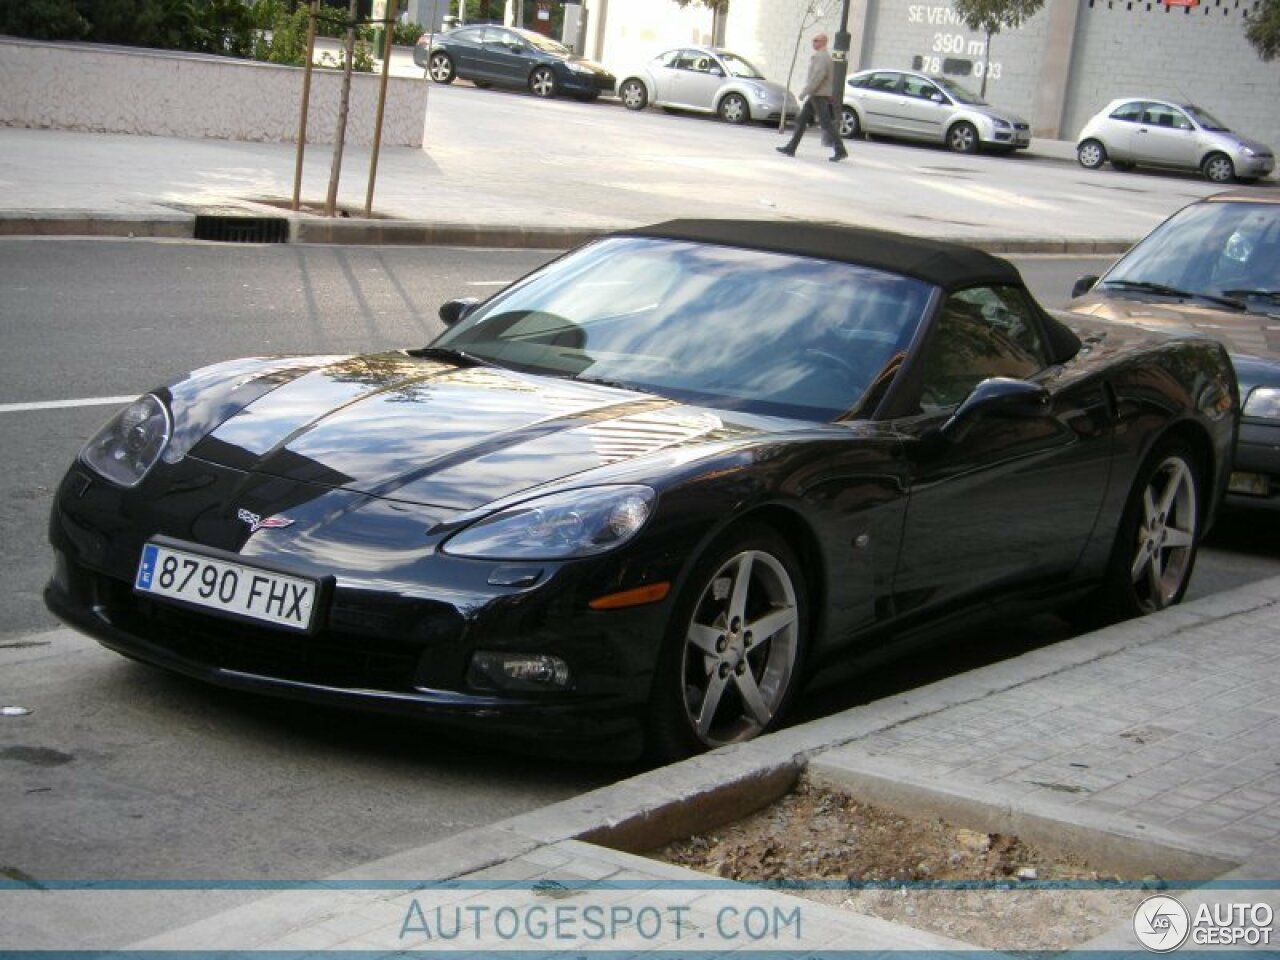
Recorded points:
(583, 62)
(995, 113)
(1233, 140)
(404, 428)
(1245, 334)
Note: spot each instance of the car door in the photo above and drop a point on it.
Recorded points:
(924, 109)
(1002, 496)
(878, 94)
(694, 80)
(505, 57)
(663, 74)
(465, 47)
(1166, 137)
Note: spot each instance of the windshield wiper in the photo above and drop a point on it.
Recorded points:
(1165, 290)
(1247, 294)
(452, 355)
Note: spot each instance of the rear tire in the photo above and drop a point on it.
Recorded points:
(440, 68)
(732, 657)
(1091, 154)
(633, 94)
(849, 125)
(1159, 534)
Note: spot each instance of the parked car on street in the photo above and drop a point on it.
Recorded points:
(1213, 270)
(649, 489)
(914, 106)
(706, 80)
(505, 56)
(1138, 131)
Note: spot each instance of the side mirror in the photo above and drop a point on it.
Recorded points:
(998, 397)
(1083, 286)
(716, 72)
(452, 311)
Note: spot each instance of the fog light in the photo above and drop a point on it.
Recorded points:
(1251, 484)
(491, 670)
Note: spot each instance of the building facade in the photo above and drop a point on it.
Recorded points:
(1057, 70)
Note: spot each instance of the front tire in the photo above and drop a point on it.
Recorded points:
(440, 68)
(734, 647)
(1091, 154)
(849, 125)
(963, 137)
(1159, 534)
(633, 94)
(734, 108)
(542, 83)
(1218, 168)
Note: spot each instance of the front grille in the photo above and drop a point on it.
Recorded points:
(326, 658)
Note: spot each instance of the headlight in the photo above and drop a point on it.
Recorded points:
(1263, 402)
(131, 442)
(562, 526)
(1000, 124)
(577, 67)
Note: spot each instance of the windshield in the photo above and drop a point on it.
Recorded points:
(1218, 250)
(717, 326)
(1204, 118)
(739, 67)
(959, 93)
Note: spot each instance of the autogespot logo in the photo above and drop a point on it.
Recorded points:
(1161, 924)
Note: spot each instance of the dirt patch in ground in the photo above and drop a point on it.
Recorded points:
(820, 834)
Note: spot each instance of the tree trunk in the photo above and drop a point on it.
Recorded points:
(344, 105)
(986, 66)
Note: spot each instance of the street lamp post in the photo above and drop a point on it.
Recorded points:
(840, 61)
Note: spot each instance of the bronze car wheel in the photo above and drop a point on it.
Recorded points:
(542, 82)
(440, 68)
(732, 657)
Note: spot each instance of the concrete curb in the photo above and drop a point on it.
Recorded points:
(359, 231)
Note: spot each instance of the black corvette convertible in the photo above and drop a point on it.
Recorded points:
(650, 489)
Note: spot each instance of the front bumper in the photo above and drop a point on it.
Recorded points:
(1255, 475)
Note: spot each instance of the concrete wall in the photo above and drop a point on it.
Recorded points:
(1137, 48)
(125, 90)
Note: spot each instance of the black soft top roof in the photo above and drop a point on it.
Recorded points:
(949, 265)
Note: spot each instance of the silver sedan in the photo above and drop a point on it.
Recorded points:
(706, 80)
(1167, 133)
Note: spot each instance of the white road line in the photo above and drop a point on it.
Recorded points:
(62, 404)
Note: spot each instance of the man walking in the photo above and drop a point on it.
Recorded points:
(817, 103)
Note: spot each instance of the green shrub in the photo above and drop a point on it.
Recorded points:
(43, 19)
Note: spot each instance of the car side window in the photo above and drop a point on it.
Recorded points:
(981, 332)
(687, 60)
(1131, 112)
(921, 89)
(885, 82)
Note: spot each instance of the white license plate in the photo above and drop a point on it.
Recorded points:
(233, 588)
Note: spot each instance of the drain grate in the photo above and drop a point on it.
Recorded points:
(230, 229)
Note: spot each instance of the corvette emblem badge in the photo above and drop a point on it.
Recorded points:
(257, 523)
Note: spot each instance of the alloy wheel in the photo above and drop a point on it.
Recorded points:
(1218, 168)
(440, 66)
(734, 109)
(633, 95)
(1166, 538)
(1091, 155)
(542, 83)
(740, 649)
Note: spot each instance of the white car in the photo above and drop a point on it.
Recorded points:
(914, 106)
(706, 80)
(1135, 131)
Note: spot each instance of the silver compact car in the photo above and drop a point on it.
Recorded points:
(706, 80)
(914, 106)
(1167, 133)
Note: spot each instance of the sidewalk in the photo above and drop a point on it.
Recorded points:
(1150, 747)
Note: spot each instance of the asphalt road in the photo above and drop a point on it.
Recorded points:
(123, 772)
